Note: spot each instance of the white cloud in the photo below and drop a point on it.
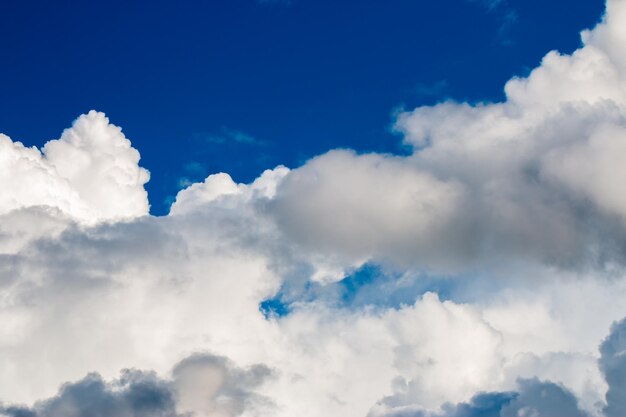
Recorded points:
(520, 202)
(217, 187)
(90, 173)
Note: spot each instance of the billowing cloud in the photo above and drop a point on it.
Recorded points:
(533, 397)
(90, 173)
(134, 394)
(210, 384)
(534, 178)
(368, 206)
(504, 221)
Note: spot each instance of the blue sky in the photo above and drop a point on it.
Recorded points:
(240, 86)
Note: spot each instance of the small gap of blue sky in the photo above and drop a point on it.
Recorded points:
(380, 286)
(371, 285)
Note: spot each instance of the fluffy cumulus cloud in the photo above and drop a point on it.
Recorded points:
(499, 242)
(533, 397)
(90, 173)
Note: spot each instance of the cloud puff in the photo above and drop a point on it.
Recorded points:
(217, 187)
(210, 385)
(91, 173)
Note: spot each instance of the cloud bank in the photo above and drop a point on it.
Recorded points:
(505, 228)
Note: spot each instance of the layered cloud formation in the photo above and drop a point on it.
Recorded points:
(504, 231)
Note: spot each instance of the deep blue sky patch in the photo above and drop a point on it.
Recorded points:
(243, 85)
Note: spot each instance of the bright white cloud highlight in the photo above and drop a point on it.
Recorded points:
(90, 174)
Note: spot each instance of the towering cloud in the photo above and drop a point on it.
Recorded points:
(90, 173)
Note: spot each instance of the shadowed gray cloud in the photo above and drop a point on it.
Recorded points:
(613, 366)
(534, 398)
(134, 394)
(207, 383)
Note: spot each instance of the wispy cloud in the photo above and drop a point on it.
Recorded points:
(506, 15)
(227, 135)
(490, 4)
(428, 90)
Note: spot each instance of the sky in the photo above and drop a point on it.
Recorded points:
(304, 208)
(241, 86)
